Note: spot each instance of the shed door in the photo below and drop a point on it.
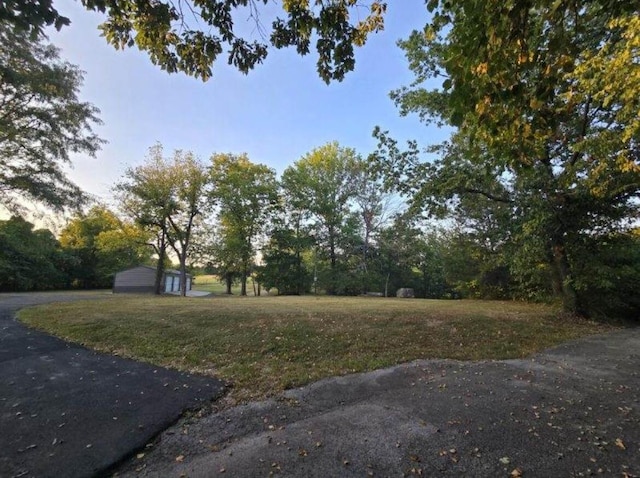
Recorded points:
(168, 282)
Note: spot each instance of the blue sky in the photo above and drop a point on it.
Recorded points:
(276, 113)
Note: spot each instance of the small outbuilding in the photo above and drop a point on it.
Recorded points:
(142, 279)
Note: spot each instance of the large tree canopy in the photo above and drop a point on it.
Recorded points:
(189, 35)
(323, 184)
(245, 194)
(42, 122)
(102, 244)
(544, 97)
(166, 196)
(29, 259)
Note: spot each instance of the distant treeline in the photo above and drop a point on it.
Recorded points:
(89, 251)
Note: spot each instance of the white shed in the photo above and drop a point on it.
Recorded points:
(141, 280)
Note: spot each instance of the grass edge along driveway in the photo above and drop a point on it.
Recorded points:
(264, 345)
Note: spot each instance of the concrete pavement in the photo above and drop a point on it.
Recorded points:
(570, 411)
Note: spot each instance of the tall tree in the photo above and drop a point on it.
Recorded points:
(373, 207)
(283, 264)
(123, 247)
(146, 194)
(532, 132)
(30, 259)
(323, 182)
(103, 245)
(397, 254)
(226, 254)
(42, 122)
(245, 194)
(166, 195)
(190, 36)
(191, 200)
(202, 241)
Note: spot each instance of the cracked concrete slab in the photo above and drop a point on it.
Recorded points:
(571, 411)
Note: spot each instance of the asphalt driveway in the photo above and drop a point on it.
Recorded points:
(66, 411)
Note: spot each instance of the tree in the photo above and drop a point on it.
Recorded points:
(189, 36)
(283, 266)
(29, 259)
(165, 196)
(225, 255)
(103, 245)
(245, 194)
(611, 276)
(79, 237)
(191, 199)
(373, 207)
(42, 122)
(398, 254)
(201, 242)
(433, 282)
(323, 182)
(532, 133)
(123, 247)
(146, 196)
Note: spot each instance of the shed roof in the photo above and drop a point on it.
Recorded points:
(174, 271)
(169, 271)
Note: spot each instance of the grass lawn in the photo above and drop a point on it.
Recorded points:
(264, 345)
(212, 283)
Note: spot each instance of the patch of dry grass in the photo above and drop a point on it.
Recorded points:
(264, 345)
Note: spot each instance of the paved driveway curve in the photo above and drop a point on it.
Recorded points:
(570, 411)
(66, 411)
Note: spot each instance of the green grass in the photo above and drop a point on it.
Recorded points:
(72, 293)
(264, 345)
(212, 283)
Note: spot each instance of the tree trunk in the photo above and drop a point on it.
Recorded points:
(243, 282)
(425, 281)
(365, 269)
(183, 272)
(563, 280)
(386, 285)
(162, 249)
(299, 279)
(331, 290)
(228, 282)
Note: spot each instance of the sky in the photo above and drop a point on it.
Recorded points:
(276, 114)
